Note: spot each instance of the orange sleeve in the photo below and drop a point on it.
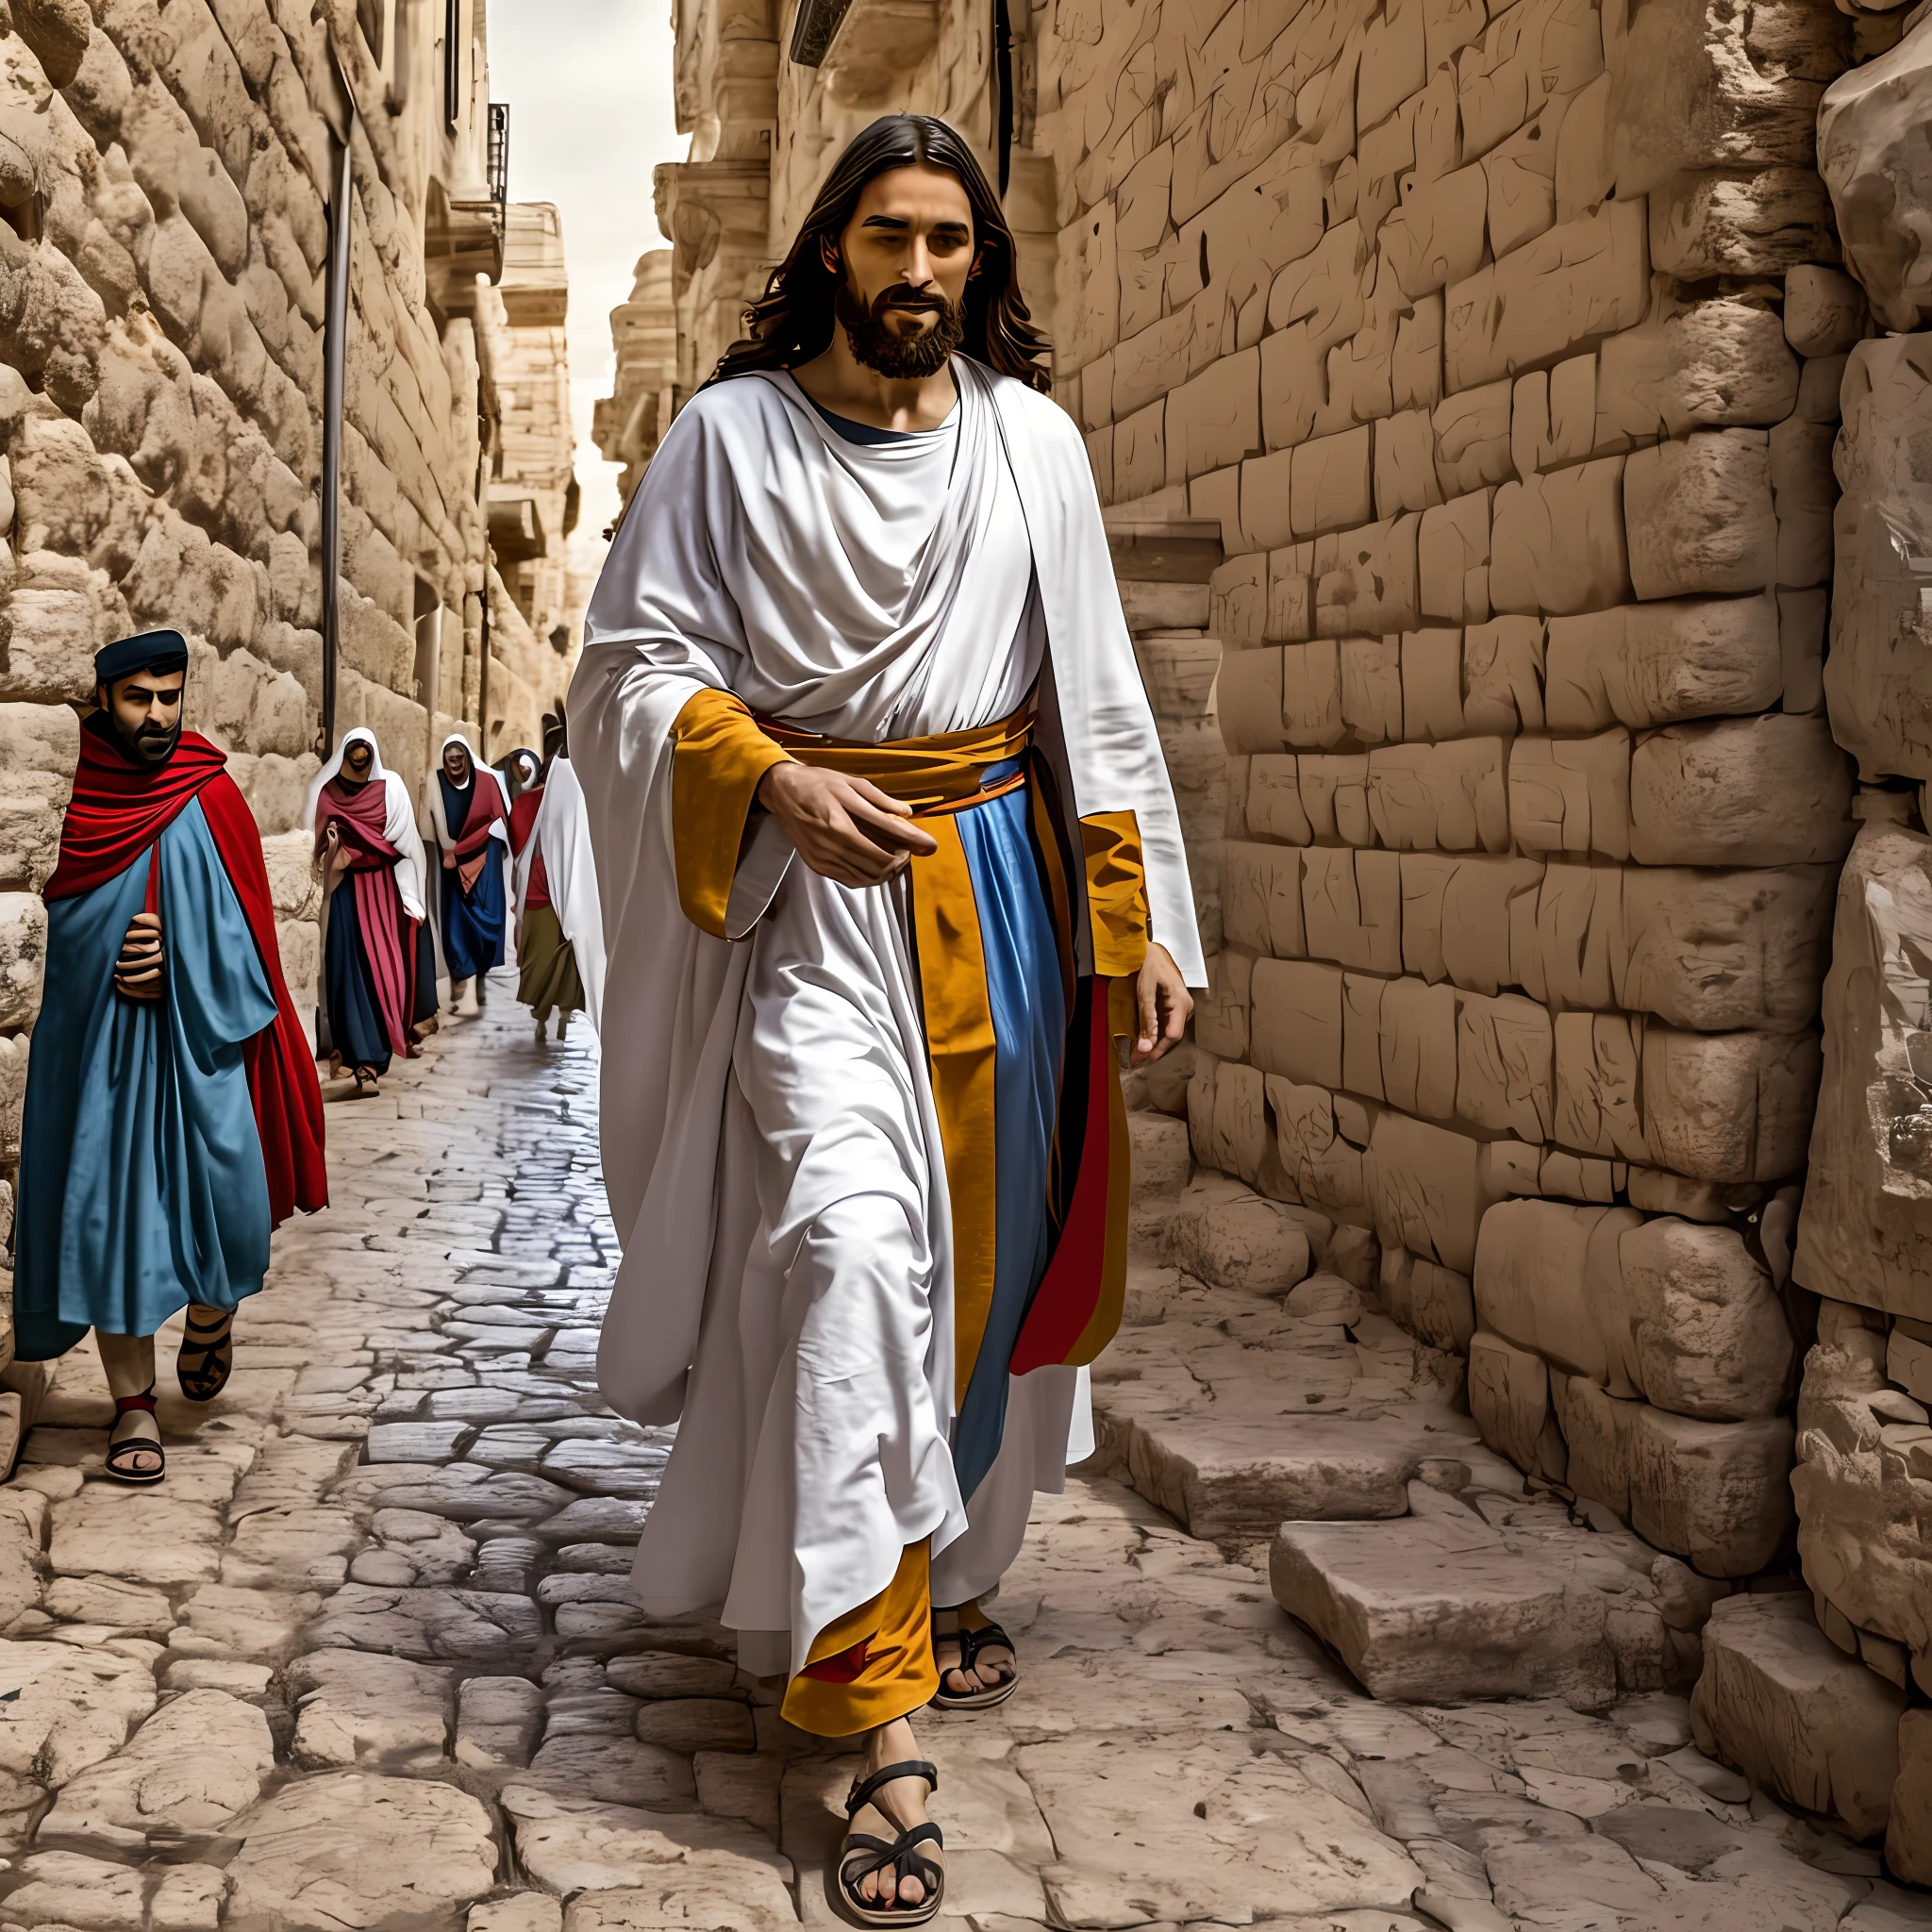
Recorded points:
(719, 757)
(1116, 892)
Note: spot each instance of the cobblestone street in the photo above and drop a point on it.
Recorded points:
(370, 1658)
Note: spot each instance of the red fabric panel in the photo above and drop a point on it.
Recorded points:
(362, 815)
(1070, 1291)
(842, 1667)
(378, 910)
(523, 817)
(120, 809)
(281, 1068)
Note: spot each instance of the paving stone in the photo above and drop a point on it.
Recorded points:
(415, 1441)
(574, 1844)
(1430, 1611)
(596, 1519)
(378, 1712)
(732, 1785)
(607, 1469)
(498, 1722)
(464, 1492)
(295, 1548)
(195, 1764)
(217, 1673)
(71, 1888)
(507, 1563)
(522, 1911)
(619, 1771)
(466, 1626)
(696, 1723)
(108, 1600)
(62, 1709)
(188, 1899)
(218, 1621)
(661, 1674)
(347, 1849)
(146, 1536)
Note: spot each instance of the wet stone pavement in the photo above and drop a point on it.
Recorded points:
(370, 1659)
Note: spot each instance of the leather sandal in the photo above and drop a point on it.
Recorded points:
(860, 1855)
(972, 1642)
(204, 1379)
(119, 1467)
(366, 1087)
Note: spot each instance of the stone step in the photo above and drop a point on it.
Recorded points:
(1433, 1611)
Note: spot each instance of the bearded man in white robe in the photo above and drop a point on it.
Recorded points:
(890, 860)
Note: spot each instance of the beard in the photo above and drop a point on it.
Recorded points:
(151, 744)
(882, 348)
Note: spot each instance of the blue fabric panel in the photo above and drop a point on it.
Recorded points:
(355, 1022)
(1022, 976)
(142, 1182)
(472, 921)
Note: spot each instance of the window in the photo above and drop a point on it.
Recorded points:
(453, 63)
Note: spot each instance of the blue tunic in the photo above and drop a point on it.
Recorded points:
(141, 1185)
(1030, 1020)
(472, 921)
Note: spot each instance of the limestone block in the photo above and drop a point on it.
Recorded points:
(1215, 420)
(1425, 877)
(1472, 432)
(1783, 1705)
(1557, 542)
(1698, 365)
(1352, 908)
(1405, 463)
(1230, 1238)
(1717, 951)
(14, 1060)
(1875, 676)
(1432, 1610)
(1908, 1834)
(1715, 1493)
(1323, 1163)
(1417, 1047)
(1825, 310)
(1867, 1218)
(1361, 1034)
(1453, 560)
(1871, 159)
(1504, 1065)
(1503, 669)
(1261, 897)
(1241, 1121)
(1561, 294)
(1274, 799)
(1509, 1400)
(1712, 1339)
(1331, 486)
(1727, 1106)
(1585, 170)
(1769, 791)
(1652, 663)
(1248, 700)
(1295, 1025)
(1442, 1304)
(1428, 1189)
(1698, 88)
(23, 952)
(1439, 797)
(1311, 694)
(1553, 416)
(1436, 237)
(1547, 1278)
(1371, 687)
(1335, 797)
(1220, 1014)
(1522, 176)
(1480, 904)
(1365, 579)
(1569, 794)
(1699, 515)
(1600, 1106)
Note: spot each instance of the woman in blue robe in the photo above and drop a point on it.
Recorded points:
(468, 824)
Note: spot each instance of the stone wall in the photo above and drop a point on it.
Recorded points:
(163, 225)
(628, 421)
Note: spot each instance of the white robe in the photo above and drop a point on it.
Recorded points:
(561, 832)
(803, 1325)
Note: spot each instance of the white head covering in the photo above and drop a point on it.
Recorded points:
(562, 834)
(434, 825)
(399, 822)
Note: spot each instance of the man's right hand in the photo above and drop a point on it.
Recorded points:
(137, 970)
(846, 830)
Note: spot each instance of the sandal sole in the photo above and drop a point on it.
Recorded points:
(854, 1913)
(978, 1700)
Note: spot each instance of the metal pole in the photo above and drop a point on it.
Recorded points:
(483, 670)
(335, 331)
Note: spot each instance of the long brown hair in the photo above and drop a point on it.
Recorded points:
(792, 321)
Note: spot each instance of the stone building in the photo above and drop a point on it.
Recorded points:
(644, 395)
(171, 336)
(1464, 387)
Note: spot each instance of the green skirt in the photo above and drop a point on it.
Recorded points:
(547, 978)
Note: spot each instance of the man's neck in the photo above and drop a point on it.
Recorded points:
(839, 381)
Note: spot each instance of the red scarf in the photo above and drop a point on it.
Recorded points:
(473, 840)
(362, 812)
(119, 809)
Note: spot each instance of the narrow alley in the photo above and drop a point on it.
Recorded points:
(371, 1658)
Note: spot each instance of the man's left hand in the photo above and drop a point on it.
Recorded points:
(1164, 1003)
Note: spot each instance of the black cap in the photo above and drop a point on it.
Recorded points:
(152, 650)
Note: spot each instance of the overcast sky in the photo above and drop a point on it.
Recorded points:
(589, 86)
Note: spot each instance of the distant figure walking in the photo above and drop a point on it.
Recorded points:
(467, 820)
(560, 921)
(378, 961)
(172, 1115)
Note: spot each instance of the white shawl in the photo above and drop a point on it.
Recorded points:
(399, 821)
(561, 832)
